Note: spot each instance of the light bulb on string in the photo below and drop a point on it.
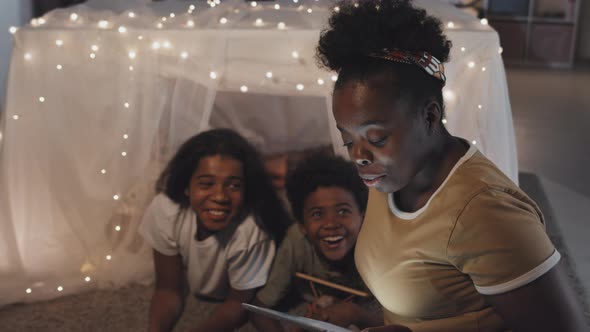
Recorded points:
(118, 228)
(484, 21)
(60, 288)
(28, 291)
(444, 121)
(87, 279)
(156, 45)
(159, 25)
(108, 257)
(172, 15)
(471, 64)
(116, 197)
(295, 55)
(28, 56)
(500, 50)
(15, 117)
(126, 105)
(41, 21)
(167, 44)
(131, 15)
(94, 48)
(12, 30)
(334, 78)
(131, 68)
(184, 55)
(59, 43)
(320, 81)
(281, 25)
(483, 69)
(259, 22)
(103, 24)
(92, 56)
(268, 74)
(479, 106)
(213, 75)
(451, 25)
(132, 55)
(463, 49)
(244, 88)
(41, 99)
(309, 10)
(223, 20)
(474, 142)
(103, 171)
(300, 87)
(125, 136)
(59, 67)
(74, 17)
(140, 37)
(337, 9)
(253, 4)
(190, 23)
(124, 154)
(277, 6)
(122, 29)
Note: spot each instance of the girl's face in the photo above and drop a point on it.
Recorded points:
(216, 192)
(385, 139)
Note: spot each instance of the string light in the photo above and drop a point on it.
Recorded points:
(484, 21)
(92, 56)
(12, 30)
(463, 49)
(103, 24)
(172, 15)
(103, 171)
(126, 104)
(131, 68)
(300, 87)
(444, 121)
(483, 68)
(500, 50)
(448, 95)
(295, 54)
(295, 1)
(73, 16)
(59, 67)
(184, 55)
(334, 78)
(41, 21)
(87, 279)
(309, 10)
(59, 288)
(108, 257)
(59, 42)
(244, 88)
(125, 136)
(131, 15)
(320, 81)
(191, 7)
(253, 4)
(164, 19)
(190, 23)
(281, 25)
(34, 22)
(28, 56)
(213, 75)
(223, 20)
(479, 106)
(259, 22)
(94, 48)
(156, 45)
(140, 37)
(167, 44)
(451, 25)
(356, 5)
(132, 55)
(474, 142)
(15, 117)
(122, 29)
(118, 228)
(28, 291)
(269, 74)
(337, 9)
(159, 25)
(277, 6)
(471, 64)
(41, 99)
(116, 197)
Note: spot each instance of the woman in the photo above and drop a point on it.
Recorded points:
(212, 225)
(448, 243)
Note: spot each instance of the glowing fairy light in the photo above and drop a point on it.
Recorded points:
(74, 17)
(59, 67)
(94, 48)
(156, 45)
(471, 64)
(337, 9)
(449, 95)
(122, 29)
(131, 68)
(253, 4)
(479, 106)
(131, 15)
(59, 43)
(34, 22)
(159, 25)
(223, 20)
(116, 197)
(125, 136)
(277, 6)
(41, 99)
(41, 21)
(118, 228)
(172, 15)
(309, 10)
(103, 24)
(164, 18)
(244, 88)
(92, 56)
(60, 288)
(259, 22)
(213, 75)
(451, 25)
(484, 21)
(140, 37)
(190, 23)
(87, 279)
(184, 55)
(300, 87)
(295, 55)
(281, 26)
(444, 121)
(12, 30)
(28, 291)
(483, 68)
(126, 105)
(500, 50)
(15, 117)
(191, 7)
(108, 257)
(103, 171)
(167, 44)
(320, 81)
(28, 56)
(463, 49)
(268, 74)
(334, 78)
(132, 55)
(474, 142)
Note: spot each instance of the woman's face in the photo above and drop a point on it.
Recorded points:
(385, 137)
(216, 192)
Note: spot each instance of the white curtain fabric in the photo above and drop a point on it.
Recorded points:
(94, 111)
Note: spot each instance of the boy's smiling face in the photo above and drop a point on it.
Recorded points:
(331, 221)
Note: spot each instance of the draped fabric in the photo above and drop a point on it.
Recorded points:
(95, 109)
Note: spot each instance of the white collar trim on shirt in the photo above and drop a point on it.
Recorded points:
(412, 215)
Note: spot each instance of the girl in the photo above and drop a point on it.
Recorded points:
(212, 225)
(448, 242)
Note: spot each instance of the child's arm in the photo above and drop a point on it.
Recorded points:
(168, 299)
(229, 315)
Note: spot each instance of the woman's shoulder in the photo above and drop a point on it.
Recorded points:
(250, 228)
(163, 205)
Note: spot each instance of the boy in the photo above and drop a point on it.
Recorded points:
(328, 200)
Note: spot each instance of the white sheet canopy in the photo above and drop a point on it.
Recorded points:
(98, 100)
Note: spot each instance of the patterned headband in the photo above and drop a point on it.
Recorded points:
(431, 65)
